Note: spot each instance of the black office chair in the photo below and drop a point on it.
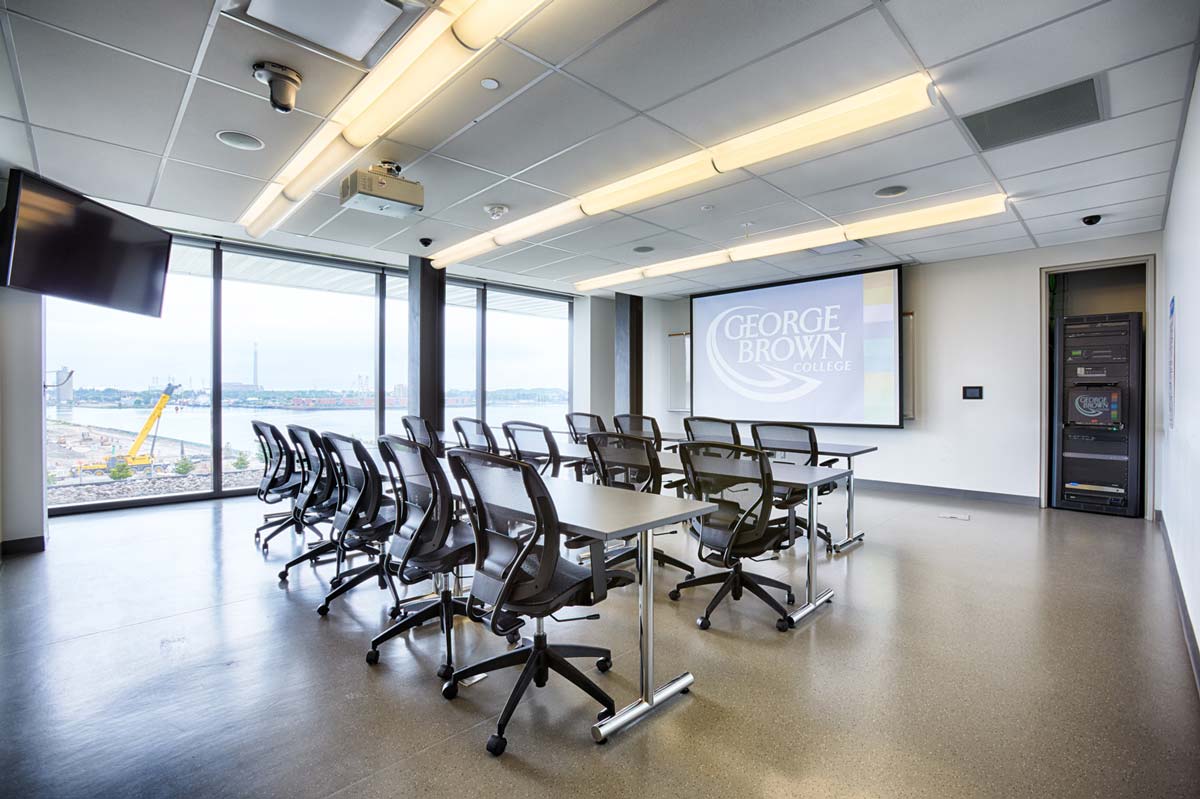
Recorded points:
(364, 520)
(280, 480)
(317, 500)
(428, 542)
(710, 428)
(738, 480)
(580, 425)
(475, 434)
(534, 444)
(519, 573)
(782, 434)
(631, 463)
(418, 429)
(632, 424)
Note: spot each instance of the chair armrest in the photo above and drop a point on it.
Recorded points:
(829, 462)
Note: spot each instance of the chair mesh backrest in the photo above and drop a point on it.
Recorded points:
(624, 461)
(475, 434)
(418, 429)
(581, 425)
(632, 424)
(709, 428)
(738, 479)
(317, 483)
(360, 487)
(423, 498)
(787, 438)
(534, 444)
(279, 460)
(516, 526)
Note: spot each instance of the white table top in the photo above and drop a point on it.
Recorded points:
(787, 475)
(823, 447)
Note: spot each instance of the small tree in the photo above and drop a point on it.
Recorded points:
(241, 461)
(120, 471)
(184, 466)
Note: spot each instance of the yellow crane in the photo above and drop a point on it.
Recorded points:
(131, 458)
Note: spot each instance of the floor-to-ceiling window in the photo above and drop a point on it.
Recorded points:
(395, 352)
(113, 375)
(298, 347)
(462, 353)
(527, 354)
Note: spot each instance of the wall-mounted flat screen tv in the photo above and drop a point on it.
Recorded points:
(56, 241)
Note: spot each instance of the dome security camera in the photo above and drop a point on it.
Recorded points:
(283, 81)
(1091, 219)
(426, 241)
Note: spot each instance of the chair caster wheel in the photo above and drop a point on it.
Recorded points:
(373, 657)
(703, 623)
(781, 625)
(450, 690)
(674, 595)
(335, 582)
(264, 549)
(445, 671)
(791, 599)
(394, 612)
(496, 745)
(322, 610)
(257, 536)
(604, 664)
(687, 690)
(283, 575)
(514, 637)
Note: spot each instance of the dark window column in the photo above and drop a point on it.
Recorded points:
(627, 351)
(426, 340)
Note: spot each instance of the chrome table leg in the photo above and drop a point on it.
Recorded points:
(853, 537)
(812, 599)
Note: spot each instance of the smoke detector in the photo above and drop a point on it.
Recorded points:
(495, 211)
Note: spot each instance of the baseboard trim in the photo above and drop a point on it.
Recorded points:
(1189, 632)
(941, 491)
(23, 546)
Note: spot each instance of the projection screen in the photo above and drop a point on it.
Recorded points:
(820, 351)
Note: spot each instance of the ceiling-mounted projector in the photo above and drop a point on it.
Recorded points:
(381, 190)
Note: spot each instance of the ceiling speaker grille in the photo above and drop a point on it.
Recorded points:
(1050, 112)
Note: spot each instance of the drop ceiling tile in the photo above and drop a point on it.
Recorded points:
(96, 168)
(768, 221)
(979, 235)
(805, 262)
(463, 100)
(1092, 41)
(1152, 81)
(1085, 199)
(165, 30)
(630, 147)
(655, 58)
(1130, 164)
(663, 286)
(727, 202)
(575, 227)
(547, 118)
(896, 241)
(14, 146)
(743, 273)
(720, 181)
(667, 246)
(1109, 214)
(444, 234)
(575, 268)
(610, 234)
(359, 227)
(976, 250)
(316, 211)
(1101, 231)
(74, 85)
(213, 108)
(235, 47)
(1140, 129)
(922, 183)
(909, 151)
(560, 30)
(942, 29)
(521, 199)
(204, 192)
(524, 259)
(792, 81)
(10, 104)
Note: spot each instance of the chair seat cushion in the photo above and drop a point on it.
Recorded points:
(458, 550)
(572, 585)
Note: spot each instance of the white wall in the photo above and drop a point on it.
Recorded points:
(22, 449)
(976, 321)
(1181, 445)
(659, 320)
(592, 370)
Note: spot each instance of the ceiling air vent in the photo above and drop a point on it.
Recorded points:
(1050, 112)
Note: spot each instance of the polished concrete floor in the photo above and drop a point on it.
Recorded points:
(152, 653)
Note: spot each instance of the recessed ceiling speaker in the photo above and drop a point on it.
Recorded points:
(238, 140)
(283, 82)
(643, 248)
(891, 191)
(1091, 219)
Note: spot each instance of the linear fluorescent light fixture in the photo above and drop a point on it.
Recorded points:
(432, 52)
(899, 98)
(834, 234)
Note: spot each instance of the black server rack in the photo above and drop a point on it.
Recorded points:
(1099, 392)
